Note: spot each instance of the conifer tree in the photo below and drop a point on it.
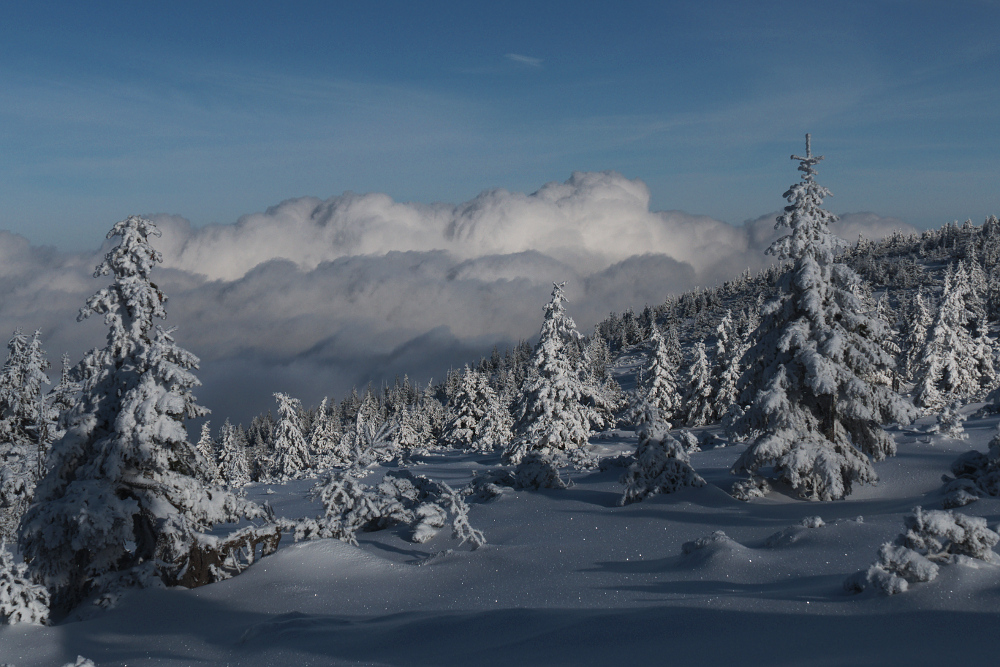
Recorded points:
(725, 367)
(916, 338)
(206, 448)
(481, 421)
(290, 446)
(233, 466)
(554, 418)
(123, 500)
(698, 395)
(370, 439)
(672, 341)
(327, 431)
(25, 427)
(658, 383)
(62, 398)
(818, 417)
(949, 367)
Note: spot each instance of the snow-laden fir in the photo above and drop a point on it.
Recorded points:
(810, 373)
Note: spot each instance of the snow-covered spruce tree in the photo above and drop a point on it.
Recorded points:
(818, 417)
(468, 406)
(370, 441)
(206, 447)
(729, 348)
(62, 398)
(884, 312)
(918, 323)
(554, 418)
(122, 501)
(233, 466)
(290, 446)
(983, 356)
(673, 343)
(698, 393)
(658, 381)
(728, 391)
(949, 368)
(25, 427)
(408, 436)
(325, 435)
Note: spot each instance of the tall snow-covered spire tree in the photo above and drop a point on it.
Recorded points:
(658, 389)
(919, 321)
(123, 500)
(290, 446)
(698, 395)
(206, 447)
(729, 348)
(554, 417)
(818, 416)
(233, 466)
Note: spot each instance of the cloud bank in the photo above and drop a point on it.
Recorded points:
(315, 296)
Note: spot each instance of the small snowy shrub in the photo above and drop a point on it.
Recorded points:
(746, 489)
(976, 475)
(537, 471)
(949, 422)
(689, 440)
(489, 485)
(619, 461)
(662, 465)
(931, 538)
(21, 601)
(401, 498)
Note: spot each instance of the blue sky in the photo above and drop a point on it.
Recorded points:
(214, 110)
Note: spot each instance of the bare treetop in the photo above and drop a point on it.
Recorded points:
(809, 160)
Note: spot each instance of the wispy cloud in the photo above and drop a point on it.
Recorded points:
(524, 60)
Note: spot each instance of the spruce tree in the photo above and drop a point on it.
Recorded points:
(725, 367)
(206, 448)
(919, 322)
(123, 501)
(698, 395)
(325, 436)
(554, 418)
(233, 466)
(949, 368)
(658, 389)
(818, 417)
(481, 421)
(290, 447)
(26, 427)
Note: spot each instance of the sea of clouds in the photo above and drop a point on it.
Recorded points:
(314, 297)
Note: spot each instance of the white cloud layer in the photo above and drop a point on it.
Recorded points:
(313, 297)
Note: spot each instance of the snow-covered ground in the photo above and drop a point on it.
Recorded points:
(569, 577)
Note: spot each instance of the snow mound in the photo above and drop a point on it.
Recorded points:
(793, 534)
(717, 548)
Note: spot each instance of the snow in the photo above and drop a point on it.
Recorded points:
(569, 577)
